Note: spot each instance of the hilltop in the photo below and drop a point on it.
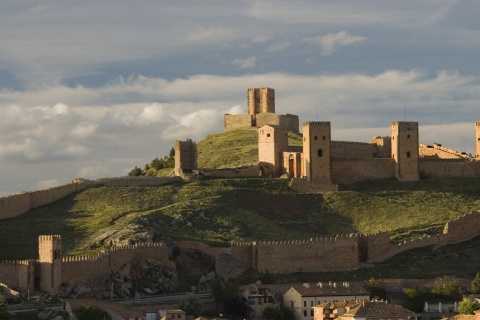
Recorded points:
(218, 211)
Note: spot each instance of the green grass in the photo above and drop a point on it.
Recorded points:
(234, 148)
(218, 211)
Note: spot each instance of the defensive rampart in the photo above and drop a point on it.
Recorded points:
(431, 167)
(18, 274)
(79, 269)
(349, 149)
(14, 205)
(343, 252)
(350, 170)
(437, 151)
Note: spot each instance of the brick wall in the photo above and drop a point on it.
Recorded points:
(237, 121)
(348, 149)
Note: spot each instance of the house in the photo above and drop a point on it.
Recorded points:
(302, 298)
(258, 297)
(172, 314)
(364, 310)
(475, 316)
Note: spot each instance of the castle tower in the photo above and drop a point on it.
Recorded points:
(260, 100)
(186, 156)
(405, 150)
(50, 261)
(477, 140)
(272, 142)
(317, 141)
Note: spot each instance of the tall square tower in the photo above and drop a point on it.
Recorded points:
(50, 261)
(405, 150)
(317, 151)
(261, 100)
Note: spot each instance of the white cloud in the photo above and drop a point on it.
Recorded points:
(245, 63)
(330, 42)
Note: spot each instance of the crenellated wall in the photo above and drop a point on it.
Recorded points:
(18, 274)
(79, 269)
(339, 253)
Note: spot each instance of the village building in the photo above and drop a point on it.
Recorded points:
(302, 298)
(363, 310)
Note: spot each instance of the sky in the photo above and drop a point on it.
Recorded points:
(91, 89)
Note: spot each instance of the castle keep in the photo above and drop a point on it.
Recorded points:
(261, 111)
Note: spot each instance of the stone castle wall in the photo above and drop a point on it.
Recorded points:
(348, 149)
(237, 121)
(345, 171)
(448, 168)
(18, 274)
(340, 253)
(246, 171)
(15, 205)
(438, 151)
(343, 252)
(77, 270)
(326, 254)
(463, 228)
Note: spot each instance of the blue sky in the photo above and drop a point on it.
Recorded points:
(91, 89)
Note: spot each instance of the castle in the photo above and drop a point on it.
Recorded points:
(326, 163)
(319, 162)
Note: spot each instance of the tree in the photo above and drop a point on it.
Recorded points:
(191, 304)
(476, 284)
(414, 300)
(374, 286)
(87, 312)
(467, 306)
(4, 314)
(135, 172)
(447, 288)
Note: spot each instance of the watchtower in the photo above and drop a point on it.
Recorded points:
(317, 151)
(272, 142)
(405, 150)
(50, 261)
(477, 140)
(260, 100)
(186, 156)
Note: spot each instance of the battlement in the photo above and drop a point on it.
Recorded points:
(49, 237)
(436, 160)
(405, 124)
(17, 263)
(317, 123)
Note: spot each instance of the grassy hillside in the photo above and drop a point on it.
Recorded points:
(218, 211)
(234, 148)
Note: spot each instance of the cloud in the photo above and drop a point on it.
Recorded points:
(210, 34)
(245, 63)
(330, 42)
(279, 46)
